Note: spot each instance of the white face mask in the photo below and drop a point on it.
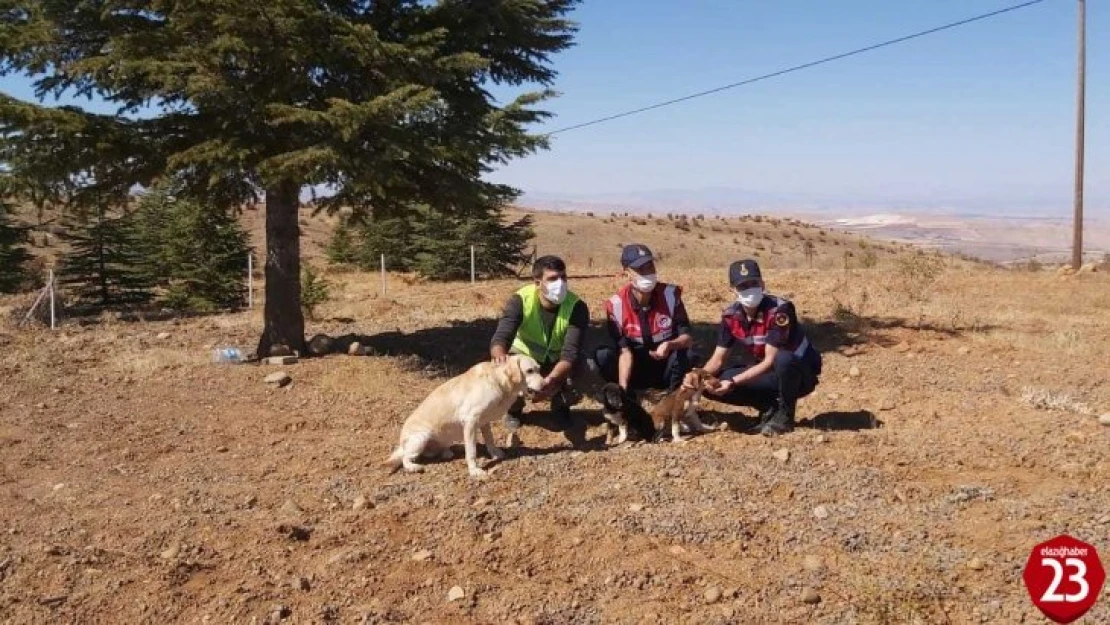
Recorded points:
(555, 292)
(751, 297)
(645, 282)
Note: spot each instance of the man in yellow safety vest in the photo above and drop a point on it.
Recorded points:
(547, 322)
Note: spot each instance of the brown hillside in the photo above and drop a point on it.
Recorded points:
(955, 426)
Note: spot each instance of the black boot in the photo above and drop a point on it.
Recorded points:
(764, 417)
(781, 422)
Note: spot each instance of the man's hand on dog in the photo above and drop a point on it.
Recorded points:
(723, 386)
(550, 385)
(498, 355)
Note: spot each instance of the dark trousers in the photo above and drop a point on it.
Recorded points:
(791, 378)
(647, 372)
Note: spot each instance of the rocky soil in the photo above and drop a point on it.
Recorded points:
(141, 483)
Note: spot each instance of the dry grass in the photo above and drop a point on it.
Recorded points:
(964, 354)
(1044, 399)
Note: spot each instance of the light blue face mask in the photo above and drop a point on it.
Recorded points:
(644, 283)
(555, 292)
(750, 298)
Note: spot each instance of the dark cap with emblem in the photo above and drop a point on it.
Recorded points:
(742, 271)
(636, 256)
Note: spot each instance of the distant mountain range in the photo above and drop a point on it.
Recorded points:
(736, 200)
(988, 229)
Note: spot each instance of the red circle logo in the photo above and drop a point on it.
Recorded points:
(1064, 578)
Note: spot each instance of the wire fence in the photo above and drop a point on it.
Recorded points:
(48, 295)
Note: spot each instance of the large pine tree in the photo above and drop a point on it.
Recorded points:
(388, 103)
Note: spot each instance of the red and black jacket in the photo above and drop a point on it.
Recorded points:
(775, 323)
(663, 319)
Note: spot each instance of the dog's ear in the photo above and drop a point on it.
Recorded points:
(513, 367)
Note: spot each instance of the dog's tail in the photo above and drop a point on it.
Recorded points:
(394, 460)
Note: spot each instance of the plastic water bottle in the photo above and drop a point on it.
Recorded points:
(227, 355)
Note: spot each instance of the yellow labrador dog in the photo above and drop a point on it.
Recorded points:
(460, 407)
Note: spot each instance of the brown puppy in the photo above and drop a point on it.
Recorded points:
(680, 406)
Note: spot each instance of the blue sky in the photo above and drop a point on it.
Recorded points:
(983, 113)
(980, 116)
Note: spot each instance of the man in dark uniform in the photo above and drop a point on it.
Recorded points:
(649, 327)
(780, 365)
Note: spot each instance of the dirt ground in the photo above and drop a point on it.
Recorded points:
(953, 429)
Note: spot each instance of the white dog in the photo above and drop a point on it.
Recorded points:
(460, 407)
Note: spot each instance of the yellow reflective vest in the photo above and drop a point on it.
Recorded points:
(531, 338)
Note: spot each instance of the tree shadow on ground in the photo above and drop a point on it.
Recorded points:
(849, 330)
(454, 347)
(457, 345)
(543, 419)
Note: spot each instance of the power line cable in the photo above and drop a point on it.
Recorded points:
(795, 68)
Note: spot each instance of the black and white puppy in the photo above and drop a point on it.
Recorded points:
(622, 411)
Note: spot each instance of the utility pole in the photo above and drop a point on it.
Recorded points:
(1077, 233)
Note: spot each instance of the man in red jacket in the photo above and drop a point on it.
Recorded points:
(778, 364)
(649, 327)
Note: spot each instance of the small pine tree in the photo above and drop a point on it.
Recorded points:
(153, 224)
(13, 257)
(391, 236)
(441, 244)
(198, 252)
(502, 248)
(105, 267)
(342, 249)
(436, 244)
(315, 290)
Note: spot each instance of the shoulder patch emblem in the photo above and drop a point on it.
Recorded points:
(782, 320)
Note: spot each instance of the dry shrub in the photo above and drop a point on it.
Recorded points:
(1044, 399)
(915, 276)
(412, 279)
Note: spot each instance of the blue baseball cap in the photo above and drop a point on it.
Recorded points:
(742, 271)
(636, 256)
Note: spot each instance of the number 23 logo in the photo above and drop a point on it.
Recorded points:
(1051, 594)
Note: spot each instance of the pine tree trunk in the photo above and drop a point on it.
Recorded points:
(284, 321)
